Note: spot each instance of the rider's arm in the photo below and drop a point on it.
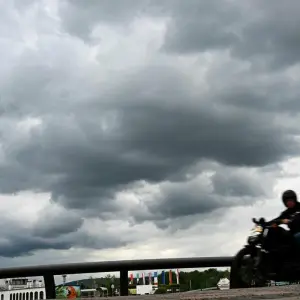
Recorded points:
(282, 216)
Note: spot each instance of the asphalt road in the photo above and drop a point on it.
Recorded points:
(279, 292)
(291, 292)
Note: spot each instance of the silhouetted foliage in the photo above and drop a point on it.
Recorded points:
(188, 280)
(161, 290)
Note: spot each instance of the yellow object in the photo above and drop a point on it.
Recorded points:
(132, 291)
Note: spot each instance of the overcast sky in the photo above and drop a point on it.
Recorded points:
(142, 129)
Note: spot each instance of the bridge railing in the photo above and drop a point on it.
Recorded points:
(123, 266)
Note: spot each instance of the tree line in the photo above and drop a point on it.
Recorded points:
(193, 280)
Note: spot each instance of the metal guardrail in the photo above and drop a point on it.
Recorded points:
(123, 266)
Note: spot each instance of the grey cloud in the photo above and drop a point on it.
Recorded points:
(240, 184)
(199, 26)
(187, 32)
(186, 222)
(250, 31)
(159, 130)
(152, 123)
(272, 37)
(18, 240)
(26, 245)
(255, 91)
(213, 190)
(183, 199)
(52, 224)
(80, 18)
(21, 4)
(264, 33)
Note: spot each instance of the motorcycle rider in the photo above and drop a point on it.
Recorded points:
(291, 215)
(275, 249)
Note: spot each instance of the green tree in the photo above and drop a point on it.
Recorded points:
(188, 280)
(161, 290)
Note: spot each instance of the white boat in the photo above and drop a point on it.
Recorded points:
(22, 289)
(224, 284)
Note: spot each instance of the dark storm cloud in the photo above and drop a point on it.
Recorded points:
(80, 18)
(55, 232)
(152, 123)
(185, 199)
(160, 128)
(18, 240)
(54, 224)
(240, 184)
(272, 36)
(199, 26)
(263, 32)
(217, 187)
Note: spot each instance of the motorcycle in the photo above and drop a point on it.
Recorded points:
(271, 254)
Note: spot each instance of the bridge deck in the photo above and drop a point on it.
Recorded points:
(291, 292)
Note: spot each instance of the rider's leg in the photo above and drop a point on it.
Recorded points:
(277, 237)
(297, 239)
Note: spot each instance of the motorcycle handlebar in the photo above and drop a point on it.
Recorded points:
(263, 222)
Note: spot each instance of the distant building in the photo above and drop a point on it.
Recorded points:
(22, 289)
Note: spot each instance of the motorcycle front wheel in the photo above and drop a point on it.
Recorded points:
(242, 274)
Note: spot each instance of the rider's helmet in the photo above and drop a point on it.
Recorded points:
(289, 196)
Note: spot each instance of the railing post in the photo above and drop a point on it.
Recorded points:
(49, 286)
(124, 283)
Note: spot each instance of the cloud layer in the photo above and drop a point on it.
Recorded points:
(151, 116)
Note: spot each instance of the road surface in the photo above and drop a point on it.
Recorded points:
(291, 292)
(278, 293)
